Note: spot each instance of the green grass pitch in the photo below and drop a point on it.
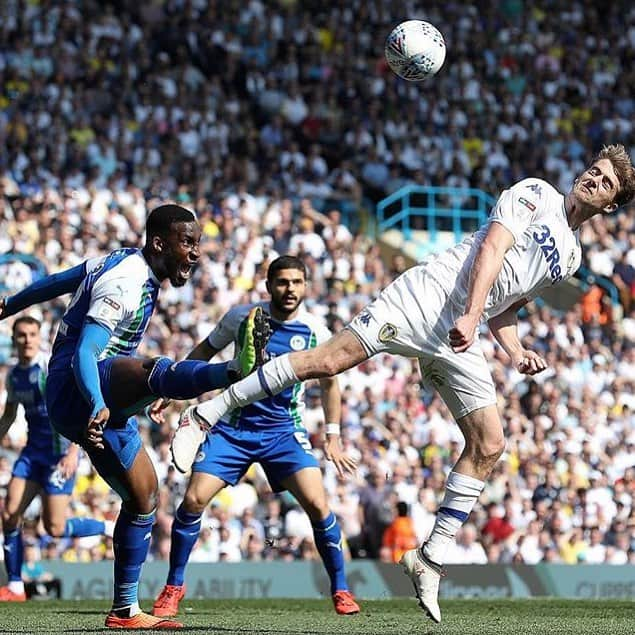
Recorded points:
(316, 617)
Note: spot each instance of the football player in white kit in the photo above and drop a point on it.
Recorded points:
(433, 311)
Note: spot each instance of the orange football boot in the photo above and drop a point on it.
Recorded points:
(167, 604)
(7, 595)
(141, 621)
(344, 603)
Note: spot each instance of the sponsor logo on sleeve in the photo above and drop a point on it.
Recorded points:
(112, 303)
(528, 204)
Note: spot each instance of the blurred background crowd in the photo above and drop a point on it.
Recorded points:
(280, 124)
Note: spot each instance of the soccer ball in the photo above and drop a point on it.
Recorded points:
(415, 50)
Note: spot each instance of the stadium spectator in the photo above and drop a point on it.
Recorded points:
(400, 535)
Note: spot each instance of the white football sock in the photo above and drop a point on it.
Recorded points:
(270, 379)
(16, 586)
(461, 492)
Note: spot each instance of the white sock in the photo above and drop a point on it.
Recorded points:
(270, 379)
(16, 586)
(461, 492)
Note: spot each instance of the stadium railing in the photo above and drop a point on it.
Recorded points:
(433, 209)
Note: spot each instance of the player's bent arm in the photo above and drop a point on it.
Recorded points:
(92, 341)
(486, 267)
(8, 417)
(203, 351)
(504, 328)
(45, 289)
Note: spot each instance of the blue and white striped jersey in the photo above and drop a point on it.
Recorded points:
(286, 408)
(119, 292)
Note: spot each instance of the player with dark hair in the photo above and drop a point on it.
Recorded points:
(94, 386)
(46, 464)
(432, 312)
(269, 432)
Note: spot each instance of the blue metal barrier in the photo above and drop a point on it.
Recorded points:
(461, 209)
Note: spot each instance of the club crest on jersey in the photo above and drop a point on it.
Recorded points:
(33, 376)
(548, 247)
(387, 333)
(536, 189)
(297, 343)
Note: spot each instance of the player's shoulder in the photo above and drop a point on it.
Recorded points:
(240, 311)
(127, 262)
(126, 269)
(314, 323)
(535, 188)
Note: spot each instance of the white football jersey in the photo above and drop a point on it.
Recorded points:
(546, 250)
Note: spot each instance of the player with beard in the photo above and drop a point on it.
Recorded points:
(269, 432)
(95, 386)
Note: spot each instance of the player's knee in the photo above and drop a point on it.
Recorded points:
(193, 503)
(316, 509)
(491, 449)
(143, 501)
(10, 520)
(55, 528)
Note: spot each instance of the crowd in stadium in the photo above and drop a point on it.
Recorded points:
(278, 123)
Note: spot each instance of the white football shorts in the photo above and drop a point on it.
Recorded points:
(412, 317)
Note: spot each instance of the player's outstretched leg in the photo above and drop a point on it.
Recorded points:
(341, 352)
(253, 338)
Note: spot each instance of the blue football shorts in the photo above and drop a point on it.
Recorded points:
(228, 452)
(41, 467)
(69, 413)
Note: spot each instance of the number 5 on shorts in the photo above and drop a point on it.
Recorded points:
(301, 438)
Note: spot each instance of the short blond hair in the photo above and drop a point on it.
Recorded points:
(621, 162)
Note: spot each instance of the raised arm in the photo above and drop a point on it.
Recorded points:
(485, 268)
(45, 289)
(504, 328)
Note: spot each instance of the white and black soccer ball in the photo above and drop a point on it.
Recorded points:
(415, 50)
